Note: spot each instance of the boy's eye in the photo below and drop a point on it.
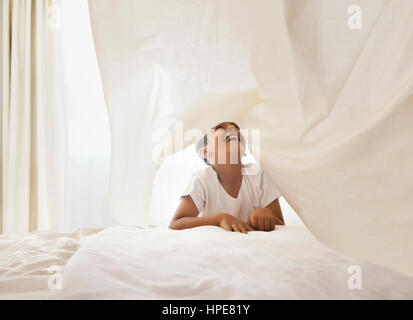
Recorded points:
(219, 130)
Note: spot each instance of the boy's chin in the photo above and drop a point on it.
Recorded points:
(234, 162)
(229, 164)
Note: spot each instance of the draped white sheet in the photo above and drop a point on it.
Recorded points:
(334, 105)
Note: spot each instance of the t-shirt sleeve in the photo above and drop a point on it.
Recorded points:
(196, 190)
(268, 191)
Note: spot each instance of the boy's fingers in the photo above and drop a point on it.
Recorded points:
(250, 221)
(272, 224)
(267, 224)
(249, 227)
(227, 227)
(261, 225)
(254, 223)
(235, 227)
(243, 228)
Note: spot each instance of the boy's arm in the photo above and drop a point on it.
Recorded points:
(265, 219)
(186, 216)
(275, 209)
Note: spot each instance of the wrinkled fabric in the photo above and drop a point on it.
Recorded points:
(333, 104)
(31, 263)
(129, 262)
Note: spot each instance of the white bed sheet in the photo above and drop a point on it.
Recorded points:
(129, 262)
(26, 259)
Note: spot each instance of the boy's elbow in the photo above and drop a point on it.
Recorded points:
(173, 225)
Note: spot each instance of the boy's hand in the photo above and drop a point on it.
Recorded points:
(231, 223)
(262, 219)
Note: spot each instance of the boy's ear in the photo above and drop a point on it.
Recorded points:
(243, 145)
(202, 152)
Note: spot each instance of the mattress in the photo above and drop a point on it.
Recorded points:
(136, 262)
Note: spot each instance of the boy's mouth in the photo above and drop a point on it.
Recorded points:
(232, 137)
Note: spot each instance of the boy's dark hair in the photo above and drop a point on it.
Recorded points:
(200, 144)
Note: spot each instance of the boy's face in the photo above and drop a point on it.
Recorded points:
(225, 144)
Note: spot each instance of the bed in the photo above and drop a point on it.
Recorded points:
(137, 262)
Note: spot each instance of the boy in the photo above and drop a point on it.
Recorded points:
(221, 195)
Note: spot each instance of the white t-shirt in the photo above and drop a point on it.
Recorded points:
(210, 197)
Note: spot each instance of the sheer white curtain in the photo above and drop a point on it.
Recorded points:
(54, 128)
(88, 138)
(32, 128)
